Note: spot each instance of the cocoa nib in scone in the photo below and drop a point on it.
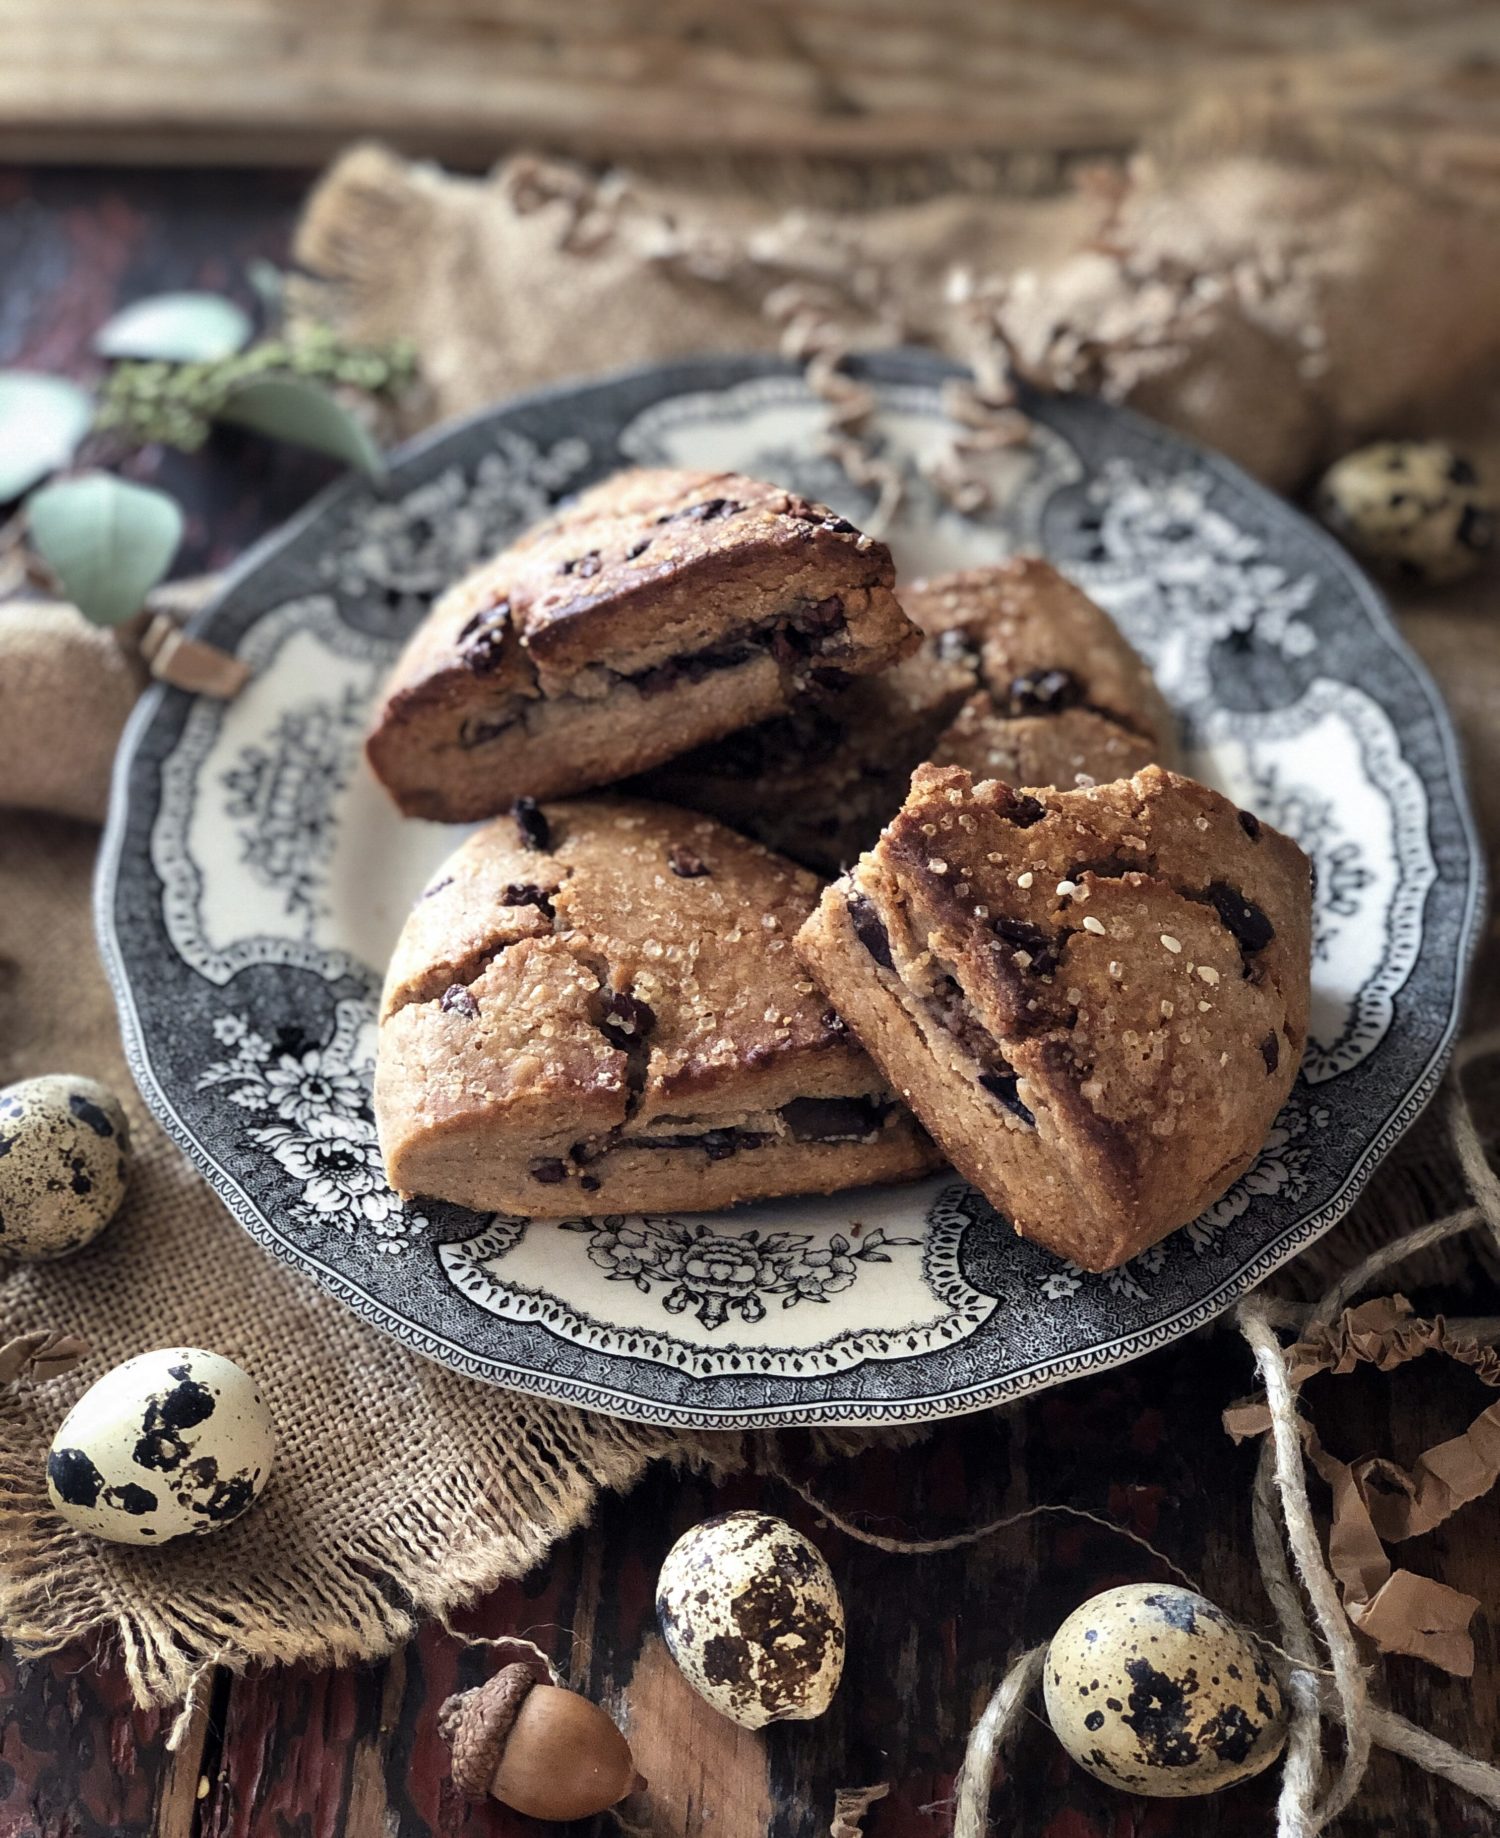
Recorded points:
(1019, 676)
(660, 609)
(1096, 1000)
(614, 1020)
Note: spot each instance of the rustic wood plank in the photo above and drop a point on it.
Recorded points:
(76, 1756)
(278, 81)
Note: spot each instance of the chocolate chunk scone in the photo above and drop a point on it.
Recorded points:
(1063, 698)
(1096, 1000)
(1019, 676)
(596, 1007)
(660, 609)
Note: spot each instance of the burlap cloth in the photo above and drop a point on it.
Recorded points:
(401, 1490)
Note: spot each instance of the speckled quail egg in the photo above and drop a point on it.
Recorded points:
(1154, 1690)
(173, 1442)
(749, 1611)
(64, 1152)
(1416, 509)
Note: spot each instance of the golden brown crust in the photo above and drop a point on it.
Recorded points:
(1044, 646)
(660, 609)
(1096, 1000)
(1074, 747)
(618, 1005)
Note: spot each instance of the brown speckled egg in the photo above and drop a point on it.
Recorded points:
(64, 1153)
(749, 1611)
(1415, 509)
(1154, 1690)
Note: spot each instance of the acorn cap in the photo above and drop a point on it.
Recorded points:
(477, 1724)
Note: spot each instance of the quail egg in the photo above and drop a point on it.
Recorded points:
(1417, 509)
(64, 1149)
(173, 1442)
(749, 1611)
(1154, 1690)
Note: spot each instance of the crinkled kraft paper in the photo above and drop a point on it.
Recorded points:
(1375, 1500)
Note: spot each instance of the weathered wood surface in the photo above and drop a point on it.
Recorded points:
(282, 81)
(356, 1753)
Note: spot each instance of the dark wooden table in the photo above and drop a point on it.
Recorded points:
(307, 1754)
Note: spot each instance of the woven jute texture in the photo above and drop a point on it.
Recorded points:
(400, 1490)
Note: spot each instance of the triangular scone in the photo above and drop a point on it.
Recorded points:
(660, 609)
(1063, 699)
(596, 1007)
(1019, 676)
(1096, 1000)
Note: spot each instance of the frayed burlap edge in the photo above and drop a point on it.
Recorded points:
(57, 1588)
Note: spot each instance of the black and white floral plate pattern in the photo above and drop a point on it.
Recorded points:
(253, 880)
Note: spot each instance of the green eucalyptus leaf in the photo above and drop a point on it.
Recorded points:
(294, 409)
(42, 419)
(108, 542)
(182, 328)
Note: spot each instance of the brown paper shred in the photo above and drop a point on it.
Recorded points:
(1385, 1333)
(850, 1804)
(41, 1356)
(189, 663)
(1375, 1501)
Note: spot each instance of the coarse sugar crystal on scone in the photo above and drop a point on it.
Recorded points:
(661, 609)
(596, 1007)
(1096, 1000)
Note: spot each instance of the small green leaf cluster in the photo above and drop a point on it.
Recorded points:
(175, 404)
(179, 363)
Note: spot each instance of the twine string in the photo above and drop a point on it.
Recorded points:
(957, 1541)
(1317, 1581)
(987, 1740)
(1334, 1301)
(1302, 1767)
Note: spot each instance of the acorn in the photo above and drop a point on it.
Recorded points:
(536, 1747)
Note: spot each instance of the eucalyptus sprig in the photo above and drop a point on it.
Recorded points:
(175, 405)
(180, 363)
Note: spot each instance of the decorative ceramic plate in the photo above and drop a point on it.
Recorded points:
(254, 878)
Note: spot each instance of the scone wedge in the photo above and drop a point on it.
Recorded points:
(1096, 1000)
(1063, 699)
(658, 610)
(1019, 676)
(596, 1007)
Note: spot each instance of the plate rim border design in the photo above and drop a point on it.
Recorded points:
(900, 366)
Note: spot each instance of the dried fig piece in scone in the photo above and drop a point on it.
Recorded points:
(659, 610)
(1096, 1000)
(603, 1013)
